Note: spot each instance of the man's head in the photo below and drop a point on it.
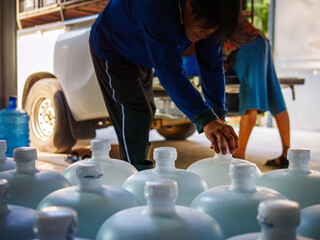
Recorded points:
(219, 19)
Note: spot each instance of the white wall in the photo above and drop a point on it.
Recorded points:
(297, 54)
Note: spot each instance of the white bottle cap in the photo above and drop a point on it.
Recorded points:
(242, 170)
(3, 146)
(299, 160)
(89, 170)
(228, 151)
(298, 154)
(55, 220)
(159, 189)
(100, 144)
(24, 154)
(4, 191)
(227, 158)
(167, 154)
(279, 213)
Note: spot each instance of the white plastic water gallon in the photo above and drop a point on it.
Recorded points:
(310, 222)
(16, 222)
(160, 219)
(28, 185)
(190, 184)
(5, 162)
(56, 223)
(215, 171)
(235, 206)
(93, 202)
(298, 182)
(278, 220)
(115, 171)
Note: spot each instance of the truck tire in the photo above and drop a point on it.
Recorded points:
(49, 124)
(177, 132)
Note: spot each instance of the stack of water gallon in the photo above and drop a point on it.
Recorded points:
(161, 203)
(103, 198)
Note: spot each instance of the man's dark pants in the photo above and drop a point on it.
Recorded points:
(128, 95)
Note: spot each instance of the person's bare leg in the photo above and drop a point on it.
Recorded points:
(283, 124)
(247, 122)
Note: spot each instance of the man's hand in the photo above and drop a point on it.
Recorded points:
(219, 134)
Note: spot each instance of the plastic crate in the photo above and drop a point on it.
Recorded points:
(28, 5)
(46, 3)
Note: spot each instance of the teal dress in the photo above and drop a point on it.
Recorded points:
(259, 84)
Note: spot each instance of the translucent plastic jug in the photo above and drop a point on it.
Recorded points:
(56, 223)
(5, 163)
(190, 184)
(14, 126)
(215, 171)
(16, 222)
(234, 206)
(160, 219)
(28, 184)
(278, 220)
(93, 202)
(310, 222)
(115, 171)
(298, 182)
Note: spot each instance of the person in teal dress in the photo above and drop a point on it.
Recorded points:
(259, 90)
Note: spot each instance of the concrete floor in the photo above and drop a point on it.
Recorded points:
(264, 144)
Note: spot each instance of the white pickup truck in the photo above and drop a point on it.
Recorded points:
(58, 88)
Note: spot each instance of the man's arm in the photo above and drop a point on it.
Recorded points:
(210, 63)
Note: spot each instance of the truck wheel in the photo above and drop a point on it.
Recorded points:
(177, 132)
(49, 124)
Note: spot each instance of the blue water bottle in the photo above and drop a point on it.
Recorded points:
(14, 126)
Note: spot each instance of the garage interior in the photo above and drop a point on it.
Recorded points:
(264, 143)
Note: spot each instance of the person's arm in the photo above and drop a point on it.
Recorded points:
(210, 63)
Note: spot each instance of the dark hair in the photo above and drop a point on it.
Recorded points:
(223, 15)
